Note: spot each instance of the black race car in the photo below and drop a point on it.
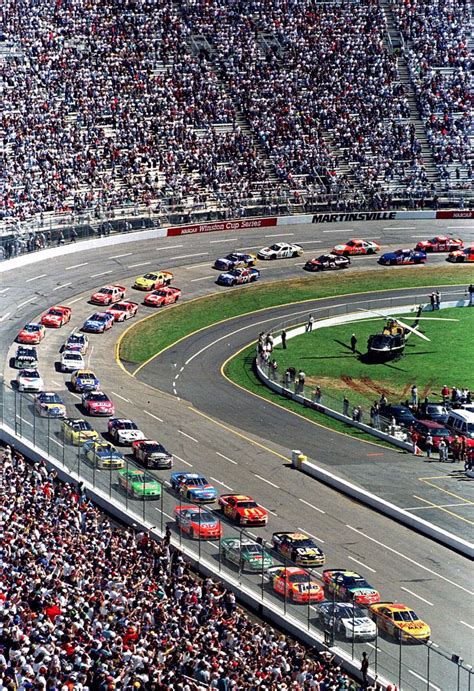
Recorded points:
(327, 262)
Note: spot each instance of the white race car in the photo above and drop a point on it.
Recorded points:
(29, 380)
(347, 620)
(280, 250)
(71, 360)
(124, 431)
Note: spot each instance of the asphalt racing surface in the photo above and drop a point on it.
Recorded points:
(242, 443)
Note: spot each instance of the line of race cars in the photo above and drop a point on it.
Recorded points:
(238, 268)
(294, 582)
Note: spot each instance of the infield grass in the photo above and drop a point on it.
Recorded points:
(164, 328)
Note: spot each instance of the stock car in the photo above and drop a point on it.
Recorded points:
(280, 250)
(139, 484)
(56, 317)
(122, 310)
(350, 585)
(246, 554)
(242, 509)
(29, 380)
(124, 431)
(50, 404)
(355, 247)
(77, 341)
(298, 548)
(153, 279)
(71, 360)
(84, 380)
(464, 255)
(152, 454)
(77, 431)
(440, 243)
(238, 277)
(402, 258)
(32, 333)
(327, 262)
(97, 403)
(26, 358)
(347, 620)
(163, 296)
(193, 487)
(399, 621)
(98, 322)
(295, 584)
(198, 523)
(102, 454)
(235, 260)
(108, 295)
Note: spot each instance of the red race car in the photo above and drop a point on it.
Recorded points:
(31, 333)
(108, 295)
(97, 403)
(464, 255)
(56, 317)
(123, 310)
(198, 523)
(163, 296)
(440, 243)
(242, 509)
(295, 584)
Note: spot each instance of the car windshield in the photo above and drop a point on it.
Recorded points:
(303, 542)
(73, 356)
(127, 424)
(32, 328)
(234, 256)
(154, 448)
(470, 427)
(120, 307)
(81, 426)
(196, 481)
(353, 581)
(31, 374)
(26, 352)
(106, 291)
(351, 243)
(86, 375)
(97, 317)
(246, 504)
(56, 312)
(75, 339)
(201, 517)
(97, 397)
(275, 247)
(441, 432)
(150, 277)
(161, 293)
(251, 549)
(50, 398)
(346, 612)
(299, 578)
(407, 615)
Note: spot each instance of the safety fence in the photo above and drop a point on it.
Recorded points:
(240, 555)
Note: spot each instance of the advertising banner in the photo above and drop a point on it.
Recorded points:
(222, 225)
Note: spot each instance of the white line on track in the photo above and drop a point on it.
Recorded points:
(132, 266)
(278, 235)
(90, 356)
(186, 256)
(63, 285)
(264, 479)
(4, 290)
(25, 302)
(183, 461)
(119, 396)
(171, 247)
(251, 247)
(35, 278)
(5, 316)
(303, 501)
(211, 544)
(306, 532)
(340, 230)
(412, 561)
(73, 302)
(56, 383)
(203, 278)
(417, 237)
(371, 645)
(76, 395)
(157, 508)
(300, 264)
(215, 242)
(188, 436)
(26, 422)
(361, 563)
(470, 626)
(418, 676)
(56, 441)
(269, 510)
(102, 273)
(119, 256)
(310, 242)
(177, 376)
(226, 458)
(415, 595)
(75, 266)
(196, 266)
(219, 482)
(402, 228)
(155, 417)
(466, 227)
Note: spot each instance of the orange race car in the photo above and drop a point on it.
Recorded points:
(242, 509)
(56, 317)
(166, 295)
(399, 621)
(355, 247)
(459, 256)
(295, 584)
(440, 243)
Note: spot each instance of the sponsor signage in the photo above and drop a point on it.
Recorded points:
(223, 225)
(455, 214)
(355, 216)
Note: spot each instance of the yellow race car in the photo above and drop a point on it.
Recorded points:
(76, 431)
(399, 621)
(153, 279)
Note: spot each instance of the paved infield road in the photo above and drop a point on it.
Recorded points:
(230, 441)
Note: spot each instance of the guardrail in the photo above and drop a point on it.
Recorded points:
(391, 659)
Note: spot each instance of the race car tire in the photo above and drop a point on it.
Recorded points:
(370, 251)
(345, 254)
(294, 255)
(272, 256)
(234, 283)
(459, 260)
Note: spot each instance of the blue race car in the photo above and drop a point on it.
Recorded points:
(193, 487)
(402, 257)
(102, 455)
(238, 277)
(235, 260)
(50, 404)
(84, 380)
(98, 322)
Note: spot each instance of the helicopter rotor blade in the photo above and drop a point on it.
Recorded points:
(413, 330)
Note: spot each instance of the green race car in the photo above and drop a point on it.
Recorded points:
(246, 554)
(139, 484)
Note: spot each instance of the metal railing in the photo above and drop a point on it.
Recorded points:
(412, 666)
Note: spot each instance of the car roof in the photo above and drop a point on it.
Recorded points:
(431, 424)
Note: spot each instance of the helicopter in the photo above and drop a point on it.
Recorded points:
(390, 343)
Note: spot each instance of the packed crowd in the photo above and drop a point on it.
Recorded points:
(88, 606)
(440, 63)
(109, 104)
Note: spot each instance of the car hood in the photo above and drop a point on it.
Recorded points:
(359, 623)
